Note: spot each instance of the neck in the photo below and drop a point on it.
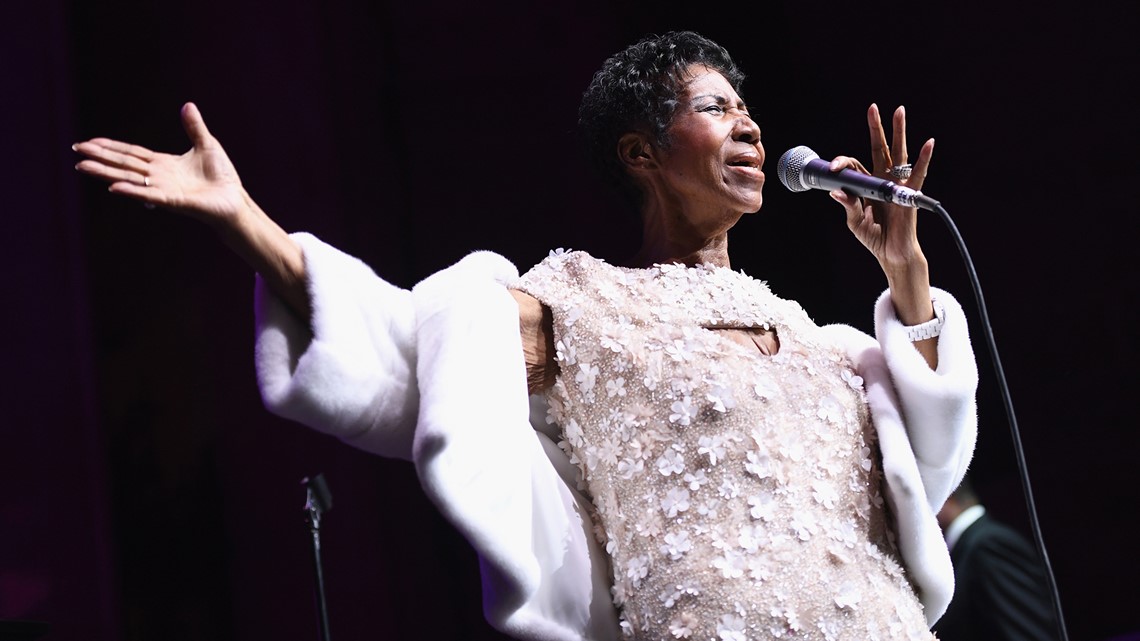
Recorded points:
(670, 236)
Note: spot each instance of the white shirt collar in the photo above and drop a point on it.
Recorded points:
(961, 522)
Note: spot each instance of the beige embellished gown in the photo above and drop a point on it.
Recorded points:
(737, 494)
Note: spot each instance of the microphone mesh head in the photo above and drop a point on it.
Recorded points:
(791, 166)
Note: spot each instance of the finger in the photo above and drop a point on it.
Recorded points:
(852, 206)
(112, 174)
(194, 125)
(880, 155)
(147, 194)
(898, 134)
(125, 148)
(918, 174)
(847, 162)
(108, 155)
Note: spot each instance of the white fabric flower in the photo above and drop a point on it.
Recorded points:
(751, 538)
(759, 463)
(637, 569)
(760, 567)
(615, 387)
(670, 463)
(708, 508)
(586, 377)
(830, 410)
(627, 467)
(674, 501)
(649, 524)
(677, 544)
(721, 398)
(764, 389)
(713, 447)
(697, 480)
(728, 489)
(573, 433)
(824, 494)
(803, 524)
(763, 506)
(572, 315)
(681, 627)
(793, 619)
(849, 377)
(731, 564)
(849, 596)
(683, 411)
(612, 340)
(731, 628)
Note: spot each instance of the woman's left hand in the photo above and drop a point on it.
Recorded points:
(890, 231)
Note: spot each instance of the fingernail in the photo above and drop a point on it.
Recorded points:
(75, 147)
(836, 195)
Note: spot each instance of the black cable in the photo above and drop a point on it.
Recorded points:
(987, 330)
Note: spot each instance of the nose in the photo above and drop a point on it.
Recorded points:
(746, 130)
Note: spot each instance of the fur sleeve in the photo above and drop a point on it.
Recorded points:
(938, 406)
(351, 372)
(488, 471)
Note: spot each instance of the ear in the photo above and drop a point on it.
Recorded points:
(636, 151)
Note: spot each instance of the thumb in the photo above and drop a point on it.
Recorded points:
(194, 125)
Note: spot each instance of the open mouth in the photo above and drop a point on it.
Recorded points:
(749, 162)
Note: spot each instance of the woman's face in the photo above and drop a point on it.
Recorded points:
(714, 157)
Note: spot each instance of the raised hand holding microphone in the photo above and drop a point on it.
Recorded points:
(885, 227)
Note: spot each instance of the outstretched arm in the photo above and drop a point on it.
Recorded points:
(203, 184)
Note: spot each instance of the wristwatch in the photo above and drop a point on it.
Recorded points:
(930, 328)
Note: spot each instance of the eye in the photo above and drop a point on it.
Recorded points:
(716, 109)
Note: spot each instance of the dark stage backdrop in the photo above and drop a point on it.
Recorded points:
(147, 494)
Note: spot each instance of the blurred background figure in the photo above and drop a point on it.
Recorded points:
(1000, 590)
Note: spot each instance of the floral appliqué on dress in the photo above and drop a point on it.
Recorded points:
(737, 494)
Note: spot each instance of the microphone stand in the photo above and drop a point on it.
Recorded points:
(318, 500)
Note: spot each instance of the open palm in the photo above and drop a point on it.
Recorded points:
(201, 183)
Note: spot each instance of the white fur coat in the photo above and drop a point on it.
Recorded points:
(436, 375)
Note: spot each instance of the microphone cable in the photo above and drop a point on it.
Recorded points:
(1007, 400)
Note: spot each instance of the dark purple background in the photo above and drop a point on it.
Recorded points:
(147, 494)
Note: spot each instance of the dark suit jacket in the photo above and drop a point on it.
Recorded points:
(1000, 591)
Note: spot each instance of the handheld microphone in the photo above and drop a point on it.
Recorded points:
(801, 169)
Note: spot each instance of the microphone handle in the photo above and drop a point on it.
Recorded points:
(817, 174)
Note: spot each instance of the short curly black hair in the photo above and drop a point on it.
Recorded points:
(638, 89)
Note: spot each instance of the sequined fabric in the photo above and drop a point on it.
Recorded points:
(737, 494)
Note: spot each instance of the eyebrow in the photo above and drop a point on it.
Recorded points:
(720, 100)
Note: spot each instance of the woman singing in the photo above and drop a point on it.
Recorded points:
(703, 461)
